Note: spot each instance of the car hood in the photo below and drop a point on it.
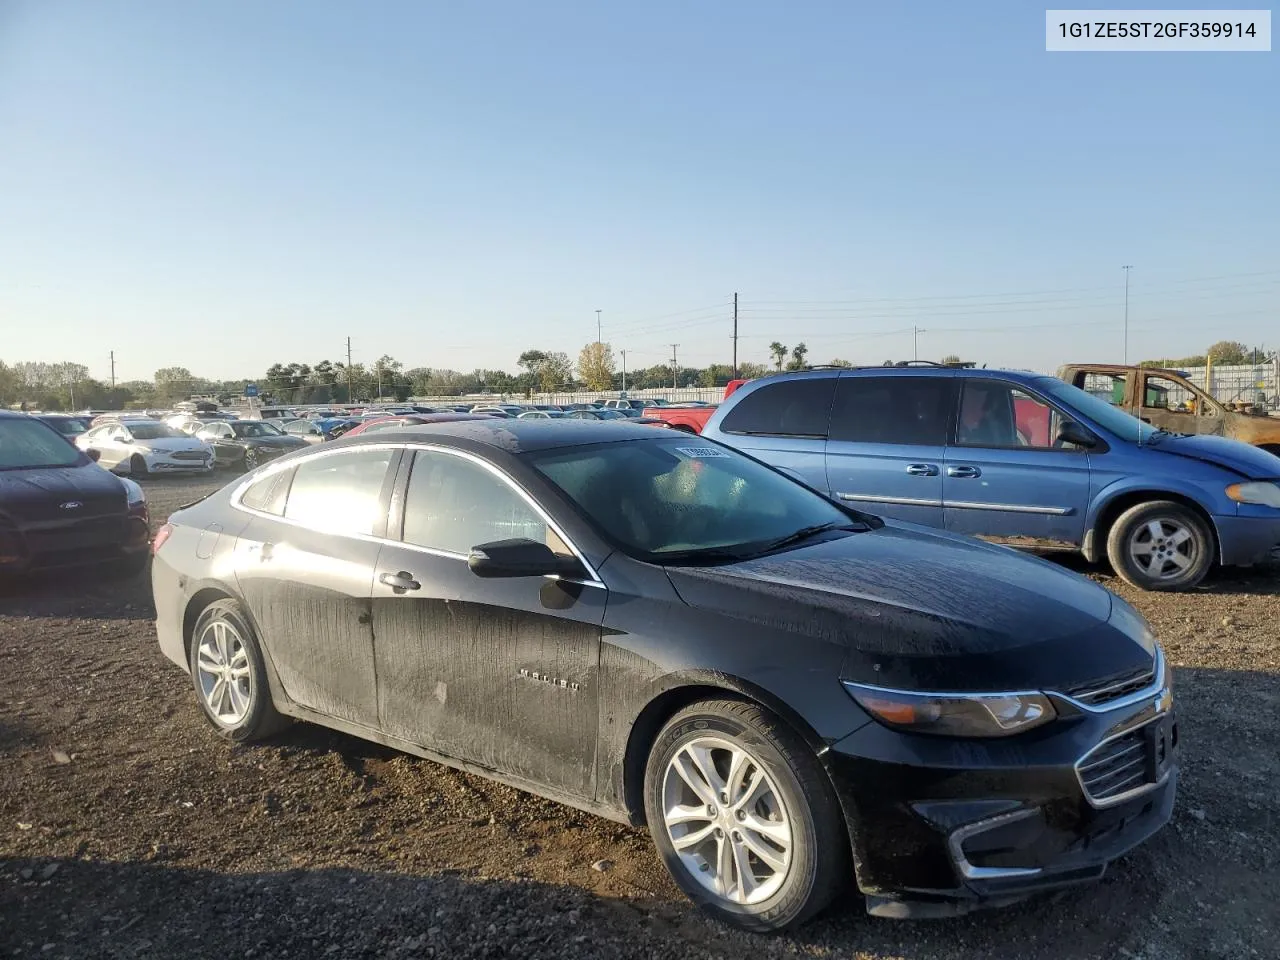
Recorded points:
(926, 610)
(1243, 458)
(43, 494)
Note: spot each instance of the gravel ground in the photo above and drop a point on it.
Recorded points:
(127, 829)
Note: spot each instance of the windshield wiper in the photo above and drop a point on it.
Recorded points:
(804, 533)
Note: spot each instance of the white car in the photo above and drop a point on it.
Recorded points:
(142, 447)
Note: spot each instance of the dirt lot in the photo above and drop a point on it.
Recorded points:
(127, 829)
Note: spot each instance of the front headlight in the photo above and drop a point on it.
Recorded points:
(134, 491)
(1259, 491)
(954, 714)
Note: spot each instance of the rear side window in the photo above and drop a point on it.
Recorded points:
(340, 493)
(268, 494)
(905, 410)
(789, 408)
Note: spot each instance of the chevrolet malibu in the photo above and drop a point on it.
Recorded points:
(789, 693)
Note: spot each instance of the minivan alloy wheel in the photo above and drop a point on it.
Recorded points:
(726, 821)
(223, 664)
(1164, 548)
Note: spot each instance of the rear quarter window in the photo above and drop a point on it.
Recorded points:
(789, 408)
(269, 493)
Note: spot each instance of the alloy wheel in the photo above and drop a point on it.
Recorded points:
(727, 821)
(223, 664)
(1163, 548)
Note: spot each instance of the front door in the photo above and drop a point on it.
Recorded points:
(1007, 474)
(498, 672)
(1175, 406)
(888, 442)
(307, 578)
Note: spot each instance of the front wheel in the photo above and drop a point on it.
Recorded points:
(138, 466)
(1161, 545)
(744, 817)
(250, 459)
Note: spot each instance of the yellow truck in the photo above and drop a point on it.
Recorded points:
(1168, 400)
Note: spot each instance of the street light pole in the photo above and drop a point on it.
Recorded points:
(624, 373)
(599, 338)
(1126, 268)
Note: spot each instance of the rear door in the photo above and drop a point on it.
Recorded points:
(784, 423)
(887, 444)
(305, 566)
(1007, 474)
(499, 672)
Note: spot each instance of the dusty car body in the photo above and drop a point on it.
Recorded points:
(1168, 400)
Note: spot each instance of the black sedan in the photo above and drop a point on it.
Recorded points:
(247, 443)
(58, 508)
(661, 630)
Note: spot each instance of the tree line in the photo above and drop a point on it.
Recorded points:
(1225, 353)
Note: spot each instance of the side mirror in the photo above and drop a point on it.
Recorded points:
(93, 454)
(519, 557)
(1071, 432)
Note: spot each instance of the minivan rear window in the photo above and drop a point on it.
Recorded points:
(788, 408)
(893, 409)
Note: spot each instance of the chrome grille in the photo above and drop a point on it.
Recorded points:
(1115, 767)
(1112, 688)
(189, 455)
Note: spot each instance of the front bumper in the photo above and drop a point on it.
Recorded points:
(943, 826)
(167, 463)
(1248, 540)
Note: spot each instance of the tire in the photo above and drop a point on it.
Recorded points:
(138, 466)
(250, 459)
(1181, 541)
(801, 870)
(245, 711)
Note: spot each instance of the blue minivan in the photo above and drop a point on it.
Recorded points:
(1013, 454)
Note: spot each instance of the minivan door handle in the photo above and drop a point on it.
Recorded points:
(964, 472)
(922, 470)
(399, 582)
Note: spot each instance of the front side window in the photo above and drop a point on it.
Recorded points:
(340, 493)
(255, 428)
(998, 414)
(454, 504)
(893, 409)
(673, 500)
(1162, 393)
(153, 431)
(29, 443)
(788, 408)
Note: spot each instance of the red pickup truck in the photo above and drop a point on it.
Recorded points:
(689, 419)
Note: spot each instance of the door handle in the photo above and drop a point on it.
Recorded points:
(964, 472)
(399, 582)
(922, 470)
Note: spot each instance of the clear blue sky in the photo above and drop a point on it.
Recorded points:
(222, 185)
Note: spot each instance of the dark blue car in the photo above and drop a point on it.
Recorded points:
(1014, 454)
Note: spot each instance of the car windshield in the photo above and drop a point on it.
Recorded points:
(29, 443)
(679, 500)
(257, 428)
(1110, 418)
(66, 426)
(152, 431)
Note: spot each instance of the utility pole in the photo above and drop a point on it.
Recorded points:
(598, 328)
(350, 398)
(1126, 268)
(735, 336)
(624, 373)
(113, 369)
(915, 340)
(675, 368)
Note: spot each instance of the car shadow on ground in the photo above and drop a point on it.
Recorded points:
(96, 592)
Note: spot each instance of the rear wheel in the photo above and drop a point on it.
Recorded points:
(229, 674)
(1161, 545)
(744, 817)
(250, 458)
(138, 466)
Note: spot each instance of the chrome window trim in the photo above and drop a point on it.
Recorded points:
(967, 869)
(235, 500)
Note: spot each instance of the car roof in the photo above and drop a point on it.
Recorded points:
(916, 371)
(511, 436)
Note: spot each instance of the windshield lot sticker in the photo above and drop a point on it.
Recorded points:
(702, 453)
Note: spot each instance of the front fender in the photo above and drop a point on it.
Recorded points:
(1202, 493)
